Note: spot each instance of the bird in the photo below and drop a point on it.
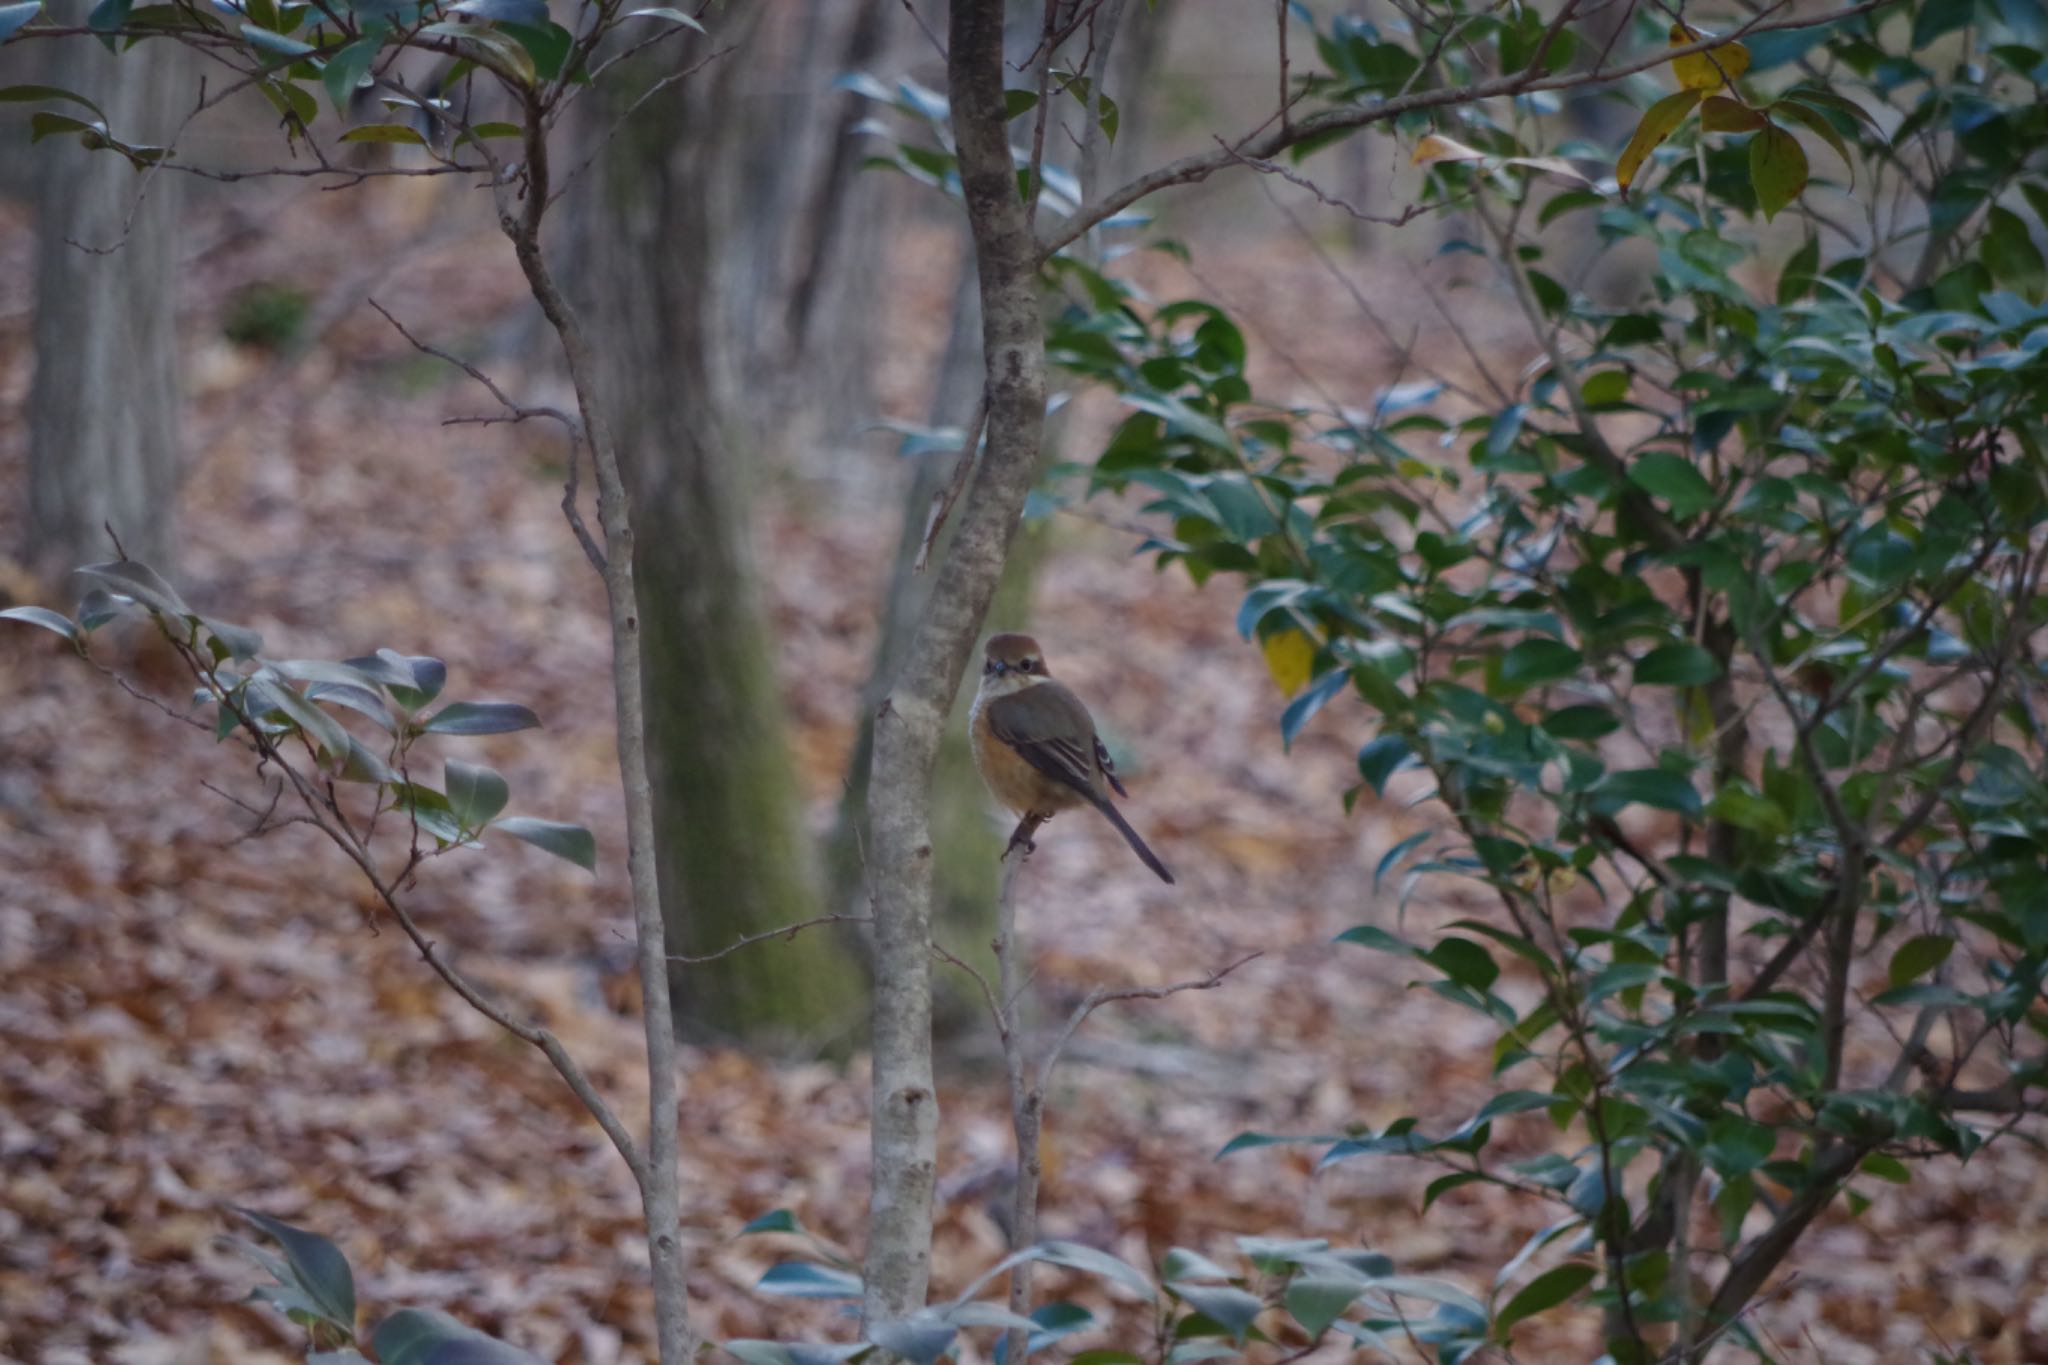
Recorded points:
(1036, 748)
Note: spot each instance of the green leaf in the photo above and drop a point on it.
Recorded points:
(1777, 169)
(802, 1280)
(35, 94)
(572, 842)
(667, 15)
(775, 1220)
(139, 583)
(1100, 1264)
(1605, 388)
(1886, 1168)
(1017, 102)
(1317, 1301)
(276, 44)
(480, 718)
(1547, 1290)
(44, 617)
(1646, 787)
(1464, 962)
(317, 1267)
(12, 17)
(419, 1336)
(1229, 1307)
(385, 132)
(548, 44)
(348, 66)
(236, 642)
(1737, 1145)
(1819, 123)
(2011, 256)
(1585, 721)
(1443, 1185)
(1918, 956)
(1381, 758)
(1677, 665)
(1372, 936)
(475, 793)
(1658, 123)
(1675, 479)
(1539, 660)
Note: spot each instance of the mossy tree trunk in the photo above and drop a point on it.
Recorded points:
(734, 856)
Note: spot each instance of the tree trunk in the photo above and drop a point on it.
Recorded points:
(734, 857)
(104, 447)
(967, 839)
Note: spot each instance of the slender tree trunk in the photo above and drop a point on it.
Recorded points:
(734, 857)
(104, 445)
(913, 716)
(967, 843)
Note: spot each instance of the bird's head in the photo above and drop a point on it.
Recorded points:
(1011, 663)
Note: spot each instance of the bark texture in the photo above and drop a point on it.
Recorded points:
(104, 436)
(912, 718)
(734, 856)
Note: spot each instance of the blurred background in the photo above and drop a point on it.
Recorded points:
(792, 347)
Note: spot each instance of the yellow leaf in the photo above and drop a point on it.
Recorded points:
(1437, 147)
(1709, 70)
(1290, 658)
(1659, 123)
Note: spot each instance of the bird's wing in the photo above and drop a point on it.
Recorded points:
(1050, 729)
(1108, 766)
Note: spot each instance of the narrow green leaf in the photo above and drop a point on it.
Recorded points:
(775, 1220)
(421, 1336)
(35, 94)
(1677, 665)
(317, 1265)
(1648, 787)
(802, 1280)
(44, 617)
(2011, 256)
(480, 718)
(572, 842)
(1539, 660)
(385, 132)
(667, 15)
(1547, 1290)
(1918, 956)
(1675, 479)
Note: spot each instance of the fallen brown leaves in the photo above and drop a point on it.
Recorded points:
(187, 1022)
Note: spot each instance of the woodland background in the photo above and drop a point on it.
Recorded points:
(189, 1020)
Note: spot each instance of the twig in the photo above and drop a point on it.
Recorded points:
(786, 932)
(924, 27)
(943, 500)
(1260, 144)
(517, 412)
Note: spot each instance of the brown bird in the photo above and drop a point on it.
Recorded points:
(1036, 745)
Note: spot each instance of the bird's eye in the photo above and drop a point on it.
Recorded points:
(1028, 664)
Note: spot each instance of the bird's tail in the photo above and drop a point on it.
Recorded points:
(1123, 827)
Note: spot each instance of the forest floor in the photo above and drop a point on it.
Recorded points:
(189, 1021)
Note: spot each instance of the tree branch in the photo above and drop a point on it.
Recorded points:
(1191, 169)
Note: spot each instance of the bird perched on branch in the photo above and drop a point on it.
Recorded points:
(1036, 747)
